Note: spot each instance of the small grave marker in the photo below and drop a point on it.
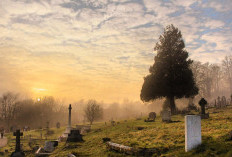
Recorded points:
(166, 116)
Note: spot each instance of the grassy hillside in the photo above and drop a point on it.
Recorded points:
(167, 138)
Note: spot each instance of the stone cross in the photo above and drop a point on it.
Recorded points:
(69, 115)
(192, 132)
(202, 103)
(18, 134)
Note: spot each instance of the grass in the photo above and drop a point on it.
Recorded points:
(167, 138)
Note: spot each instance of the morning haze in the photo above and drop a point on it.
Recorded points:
(129, 69)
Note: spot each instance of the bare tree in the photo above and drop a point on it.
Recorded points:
(93, 111)
(227, 64)
(9, 107)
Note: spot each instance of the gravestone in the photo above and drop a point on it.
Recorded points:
(17, 152)
(58, 125)
(74, 136)
(218, 102)
(166, 116)
(223, 101)
(50, 146)
(203, 103)
(192, 132)
(69, 127)
(151, 117)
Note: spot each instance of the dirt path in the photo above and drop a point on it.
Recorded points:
(3, 142)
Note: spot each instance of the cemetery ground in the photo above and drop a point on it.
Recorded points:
(167, 139)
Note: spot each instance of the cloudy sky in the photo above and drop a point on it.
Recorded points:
(101, 49)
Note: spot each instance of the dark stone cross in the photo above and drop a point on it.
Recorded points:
(18, 152)
(202, 103)
(18, 134)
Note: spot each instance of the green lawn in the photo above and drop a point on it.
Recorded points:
(166, 138)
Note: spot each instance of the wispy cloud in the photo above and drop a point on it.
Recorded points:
(90, 48)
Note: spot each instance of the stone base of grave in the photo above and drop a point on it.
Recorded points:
(75, 136)
(67, 131)
(83, 128)
(149, 120)
(204, 116)
(17, 154)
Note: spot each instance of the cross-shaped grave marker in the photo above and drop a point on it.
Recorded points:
(18, 152)
(18, 134)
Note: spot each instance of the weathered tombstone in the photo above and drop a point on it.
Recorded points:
(219, 102)
(166, 116)
(17, 152)
(74, 136)
(223, 101)
(58, 125)
(113, 122)
(50, 146)
(192, 132)
(202, 103)
(151, 117)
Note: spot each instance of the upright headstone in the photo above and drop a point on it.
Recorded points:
(202, 103)
(17, 152)
(192, 132)
(219, 102)
(223, 101)
(166, 116)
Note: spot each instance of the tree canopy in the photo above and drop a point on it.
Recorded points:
(170, 75)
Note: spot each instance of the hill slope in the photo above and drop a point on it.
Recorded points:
(166, 138)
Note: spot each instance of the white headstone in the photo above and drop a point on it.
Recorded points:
(192, 132)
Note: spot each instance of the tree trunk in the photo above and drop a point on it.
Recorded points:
(172, 104)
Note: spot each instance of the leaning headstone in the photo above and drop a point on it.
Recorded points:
(18, 152)
(50, 146)
(166, 116)
(192, 132)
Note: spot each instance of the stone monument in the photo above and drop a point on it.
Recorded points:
(69, 127)
(75, 136)
(166, 116)
(203, 103)
(17, 152)
(192, 132)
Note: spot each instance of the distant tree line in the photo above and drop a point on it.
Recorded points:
(213, 80)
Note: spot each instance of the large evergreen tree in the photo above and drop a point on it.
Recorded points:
(170, 76)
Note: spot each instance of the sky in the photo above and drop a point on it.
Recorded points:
(101, 49)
